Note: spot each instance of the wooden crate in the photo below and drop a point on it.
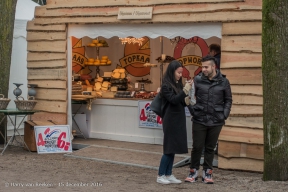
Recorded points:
(29, 135)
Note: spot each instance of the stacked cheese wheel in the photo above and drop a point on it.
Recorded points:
(104, 61)
(98, 43)
(101, 85)
(118, 74)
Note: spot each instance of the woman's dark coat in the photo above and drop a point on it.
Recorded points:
(174, 120)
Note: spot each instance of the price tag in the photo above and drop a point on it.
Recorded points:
(53, 139)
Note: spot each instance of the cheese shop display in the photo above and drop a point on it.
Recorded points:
(98, 61)
(114, 83)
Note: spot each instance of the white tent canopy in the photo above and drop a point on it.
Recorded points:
(169, 30)
(18, 69)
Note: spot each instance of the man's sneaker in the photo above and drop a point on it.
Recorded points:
(207, 176)
(193, 176)
(163, 180)
(173, 179)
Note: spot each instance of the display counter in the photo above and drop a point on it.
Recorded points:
(118, 119)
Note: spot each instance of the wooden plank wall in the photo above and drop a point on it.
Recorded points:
(46, 63)
(241, 59)
(241, 139)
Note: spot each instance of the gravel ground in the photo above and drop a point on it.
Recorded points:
(24, 171)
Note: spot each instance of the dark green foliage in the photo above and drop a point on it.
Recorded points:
(7, 17)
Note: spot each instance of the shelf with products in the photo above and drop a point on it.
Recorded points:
(104, 61)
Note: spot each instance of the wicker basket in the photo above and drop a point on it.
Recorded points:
(4, 102)
(25, 105)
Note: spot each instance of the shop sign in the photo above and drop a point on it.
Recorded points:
(134, 58)
(135, 13)
(78, 58)
(190, 60)
(53, 139)
(146, 117)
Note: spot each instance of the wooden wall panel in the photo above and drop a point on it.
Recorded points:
(242, 28)
(233, 149)
(242, 135)
(247, 43)
(32, 27)
(168, 18)
(51, 106)
(246, 110)
(59, 118)
(48, 36)
(92, 3)
(51, 74)
(246, 76)
(51, 94)
(238, 60)
(247, 122)
(247, 89)
(47, 46)
(57, 84)
(46, 64)
(34, 56)
(42, 11)
(247, 99)
(240, 164)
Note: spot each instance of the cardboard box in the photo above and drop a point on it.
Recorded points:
(29, 135)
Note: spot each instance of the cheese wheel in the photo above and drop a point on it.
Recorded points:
(105, 57)
(97, 86)
(121, 70)
(100, 79)
(105, 84)
(95, 41)
(116, 71)
(114, 88)
(87, 82)
(116, 75)
(122, 75)
(104, 88)
(90, 60)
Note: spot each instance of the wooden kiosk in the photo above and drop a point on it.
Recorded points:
(241, 139)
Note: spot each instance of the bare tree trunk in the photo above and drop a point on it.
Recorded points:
(275, 89)
(7, 17)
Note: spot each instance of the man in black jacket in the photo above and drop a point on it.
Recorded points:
(215, 51)
(212, 108)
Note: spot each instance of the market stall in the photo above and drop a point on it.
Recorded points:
(134, 72)
(50, 64)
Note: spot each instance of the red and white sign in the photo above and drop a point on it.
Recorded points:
(53, 139)
(148, 118)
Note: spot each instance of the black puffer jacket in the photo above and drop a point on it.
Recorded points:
(213, 100)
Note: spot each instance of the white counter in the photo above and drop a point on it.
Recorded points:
(117, 119)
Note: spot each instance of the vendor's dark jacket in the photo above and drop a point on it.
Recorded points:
(218, 60)
(213, 100)
(174, 120)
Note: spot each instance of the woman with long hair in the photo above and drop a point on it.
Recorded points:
(174, 98)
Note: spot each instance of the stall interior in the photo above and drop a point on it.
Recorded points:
(131, 67)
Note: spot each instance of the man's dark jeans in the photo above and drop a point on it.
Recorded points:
(204, 136)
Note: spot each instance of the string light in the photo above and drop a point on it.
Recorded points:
(132, 40)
